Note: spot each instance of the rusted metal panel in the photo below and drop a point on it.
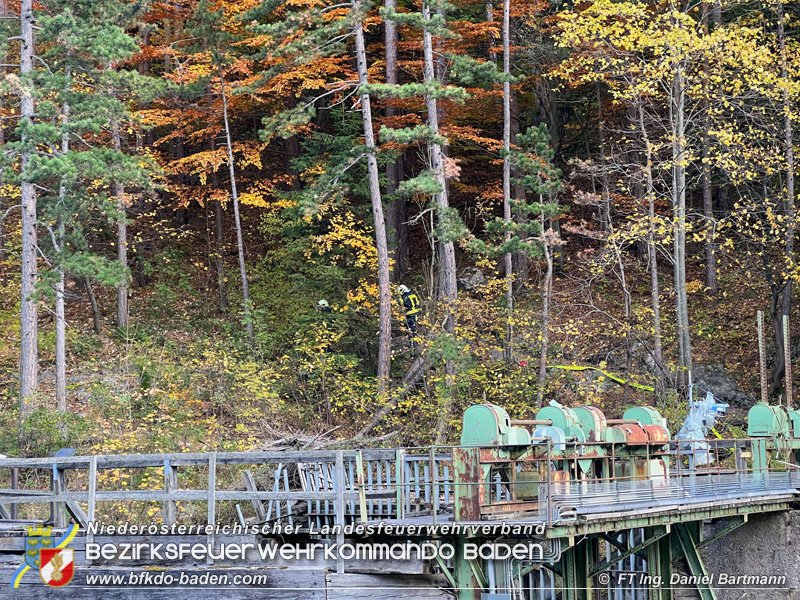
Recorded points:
(632, 434)
(470, 488)
(657, 433)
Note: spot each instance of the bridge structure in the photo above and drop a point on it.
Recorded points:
(569, 505)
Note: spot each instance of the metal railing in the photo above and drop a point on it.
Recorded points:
(542, 482)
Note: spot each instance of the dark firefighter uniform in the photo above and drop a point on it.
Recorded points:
(411, 304)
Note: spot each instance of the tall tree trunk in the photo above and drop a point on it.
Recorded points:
(522, 263)
(61, 331)
(29, 337)
(60, 248)
(547, 293)
(3, 60)
(705, 174)
(235, 196)
(789, 152)
(396, 225)
(93, 303)
(507, 176)
(385, 316)
(626, 303)
(651, 246)
(677, 108)
(219, 260)
(781, 302)
(605, 203)
(122, 240)
(447, 254)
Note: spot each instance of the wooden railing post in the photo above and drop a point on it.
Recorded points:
(339, 479)
(399, 481)
(92, 493)
(212, 488)
(362, 496)
(170, 485)
(58, 510)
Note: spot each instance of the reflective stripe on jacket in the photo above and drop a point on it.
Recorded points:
(411, 303)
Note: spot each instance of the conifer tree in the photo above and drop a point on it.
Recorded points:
(66, 147)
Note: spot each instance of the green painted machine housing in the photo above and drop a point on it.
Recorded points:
(646, 415)
(592, 421)
(565, 419)
(764, 420)
(490, 425)
(794, 416)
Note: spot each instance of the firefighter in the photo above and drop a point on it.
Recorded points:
(411, 305)
(326, 314)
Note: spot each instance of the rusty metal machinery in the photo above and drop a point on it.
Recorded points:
(776, 432)
(582, 444)
(568, 465)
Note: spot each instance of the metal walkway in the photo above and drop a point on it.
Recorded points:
(624, 520)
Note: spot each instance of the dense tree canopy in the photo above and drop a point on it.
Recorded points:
(604, 183)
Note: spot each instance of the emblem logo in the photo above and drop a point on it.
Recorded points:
(38, 539)
(48, 555)
(58, 566)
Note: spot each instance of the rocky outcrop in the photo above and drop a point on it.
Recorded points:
(713, 378)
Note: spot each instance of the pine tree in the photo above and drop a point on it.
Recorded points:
(63, 149)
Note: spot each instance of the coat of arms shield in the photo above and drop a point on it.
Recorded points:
(58, 566)
(38, 538)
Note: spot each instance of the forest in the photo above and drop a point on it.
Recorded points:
(235, 224)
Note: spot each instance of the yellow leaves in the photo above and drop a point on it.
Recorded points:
(200, 163)
(258, 194)
(694, 286)
(349, 243)
(249, 154)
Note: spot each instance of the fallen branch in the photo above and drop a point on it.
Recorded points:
(410, 380)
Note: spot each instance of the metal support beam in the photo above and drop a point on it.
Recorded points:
(696, 567)
(603, 566)
(659, 568)
(468, 576)
(576, 579)
(735, 523)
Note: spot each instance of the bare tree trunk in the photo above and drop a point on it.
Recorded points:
(626, 297)
(397, 228)
(61, 322)
(385, 311)
(93, 302)
(677, 108)
(448, 284)
(705, 176)
(61, 333)
(507, 176)
(522, 263)
(29, 344)
(547, 292)
(122, 240)
(651, 246)
(708, 213)
(789, 150)
(235, 196)
(605, 204)
(219, 259)
(490, 21)
(446, 248)
(3, 60)
(687, 343)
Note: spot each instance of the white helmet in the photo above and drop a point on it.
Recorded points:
(403, 289)
(323, 304)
